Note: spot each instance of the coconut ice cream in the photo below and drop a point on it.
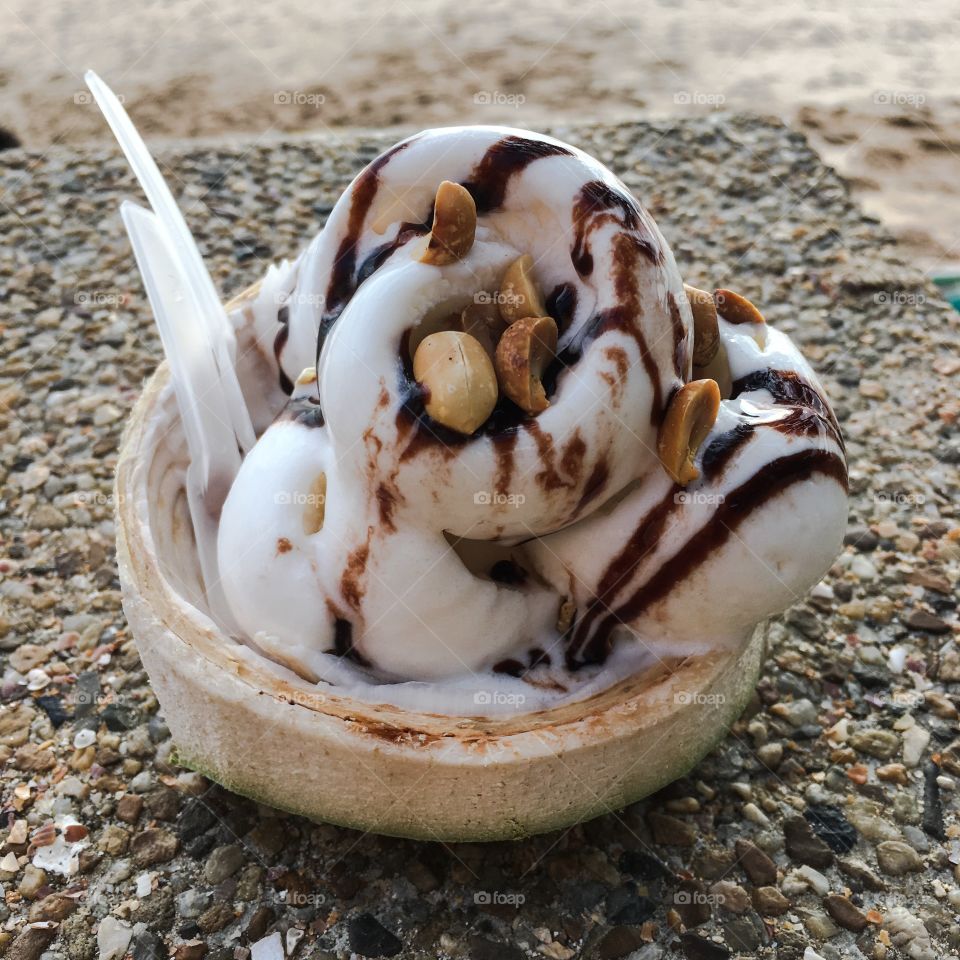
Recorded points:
(498, 436)
(474, 504)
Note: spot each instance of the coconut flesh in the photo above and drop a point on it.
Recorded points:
(503, 633)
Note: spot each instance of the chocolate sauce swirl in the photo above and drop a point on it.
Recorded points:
(592, 638)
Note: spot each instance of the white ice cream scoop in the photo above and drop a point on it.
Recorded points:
(573, 502)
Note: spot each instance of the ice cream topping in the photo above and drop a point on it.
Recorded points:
(497, 434)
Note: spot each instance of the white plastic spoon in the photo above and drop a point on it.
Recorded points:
(211, 444)
(212, 316)
(197, 339)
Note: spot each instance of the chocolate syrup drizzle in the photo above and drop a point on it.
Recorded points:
(504, 160)
(561, 304)
(343, 278)
(380, 255)
(596, 204)
(592, 637)
(810, 416)
(724, 448)
(599, 203)
(343, 645)
(594, 486)
(681, 352)
(279, 342)
(515, 668)
(303, 410)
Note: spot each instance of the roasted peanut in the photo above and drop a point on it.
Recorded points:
(692, 412)
(519, 296)
(454, 225)
(526, 349)
(736, 309)
(565, 615)
(483, 321)
(459, 378)
(316, 505)
(432, 324)
(717, 369)
(706, 332)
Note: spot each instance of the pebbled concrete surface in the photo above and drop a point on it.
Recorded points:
(826, 820)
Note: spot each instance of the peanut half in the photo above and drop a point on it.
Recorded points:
(519, 296)
(316, 507)
(459, 378)
(526, 349)
(692, 412)
(706, 332)
(454, 225)
(736, 309)
(717, 369)
(566, 614)
(483, 321)
(432, 323)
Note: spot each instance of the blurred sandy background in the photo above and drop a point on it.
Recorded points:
(873, 84)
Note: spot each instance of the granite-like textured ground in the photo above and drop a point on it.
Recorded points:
(827, 820)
